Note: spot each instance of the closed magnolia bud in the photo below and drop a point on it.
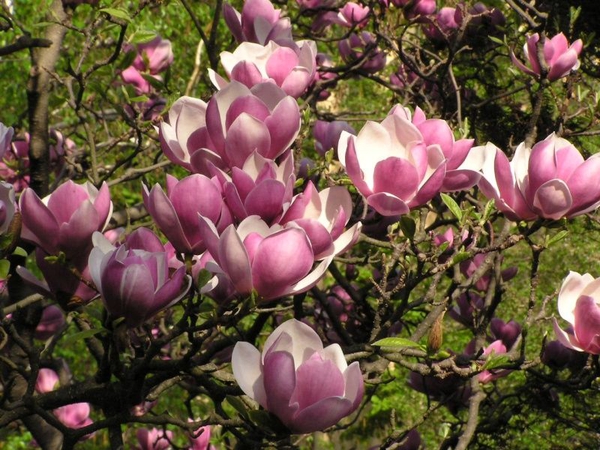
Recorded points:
(436, 334)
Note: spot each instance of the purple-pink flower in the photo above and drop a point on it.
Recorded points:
(550, 180)
(560, 58)
(579, 305)
(362, 47)
(292, 68)
(66, 219)
(134, 282)
(259, 22)
(272, 261)
(176, 211)
(236, 122)
(462, 161)
(260, 187)
(392, 166)
(327, 134)
(153, 439)
(308, 387)
(152, 58)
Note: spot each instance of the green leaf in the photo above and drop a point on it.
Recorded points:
(4, 268)
(238, 405)
(487, 211)
(143, 36)
(119, 13)
(496, 40)
(557, 237)
(460, 257)
(85, 334)
(19, 251)
(452, 206)
(204, 276)
(494, 361)
(396, 342)
(408, 227)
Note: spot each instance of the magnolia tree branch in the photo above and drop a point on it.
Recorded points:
(43, 62)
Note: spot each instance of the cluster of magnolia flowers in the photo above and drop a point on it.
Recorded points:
(237, 217)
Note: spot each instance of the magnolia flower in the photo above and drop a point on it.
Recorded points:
(578, 304)
(495, 348)
(327, 134)
(236, 122)
(550, 180)
(362, 46)
(7, 206)
(66, 219)
(323, 216)
(273, 261)
(154, 439)
(261, 187)
(462, 160)
(6, 135)
(291, 68)
(560, 58)
(76, 415)
(308, 387)
(392, 166)
(52, 321)
(152, 58)
(176, 214)
(135, 283)
(259, 22)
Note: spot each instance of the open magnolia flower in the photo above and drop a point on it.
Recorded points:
(579, 304)
(272, 260)
(308, 387)
(560, 57)
(391, 164)
(550, 180)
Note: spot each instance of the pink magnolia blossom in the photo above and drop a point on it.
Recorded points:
(550, 180)
(494, 349)
(7, 206)
(259, 22)
(200, 439)
(578, 304)
(291, 68)
(507, 332)
(414, 9)
(323, 216)
(52, 321)
(153, 439)
(46, 381)
(66, 219)
(60, 282)
(392, 166)
(14, 166)
(560, 58)
(6, 135)
(152, 58)
(462, 161)
(76, 415)
(134, 282)
(236, 122)
(352, 15)
(273, 261)
(443, 26)
(362, 46)
(308, 387)
(260, 187)
(177, 216)
(327, 134)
